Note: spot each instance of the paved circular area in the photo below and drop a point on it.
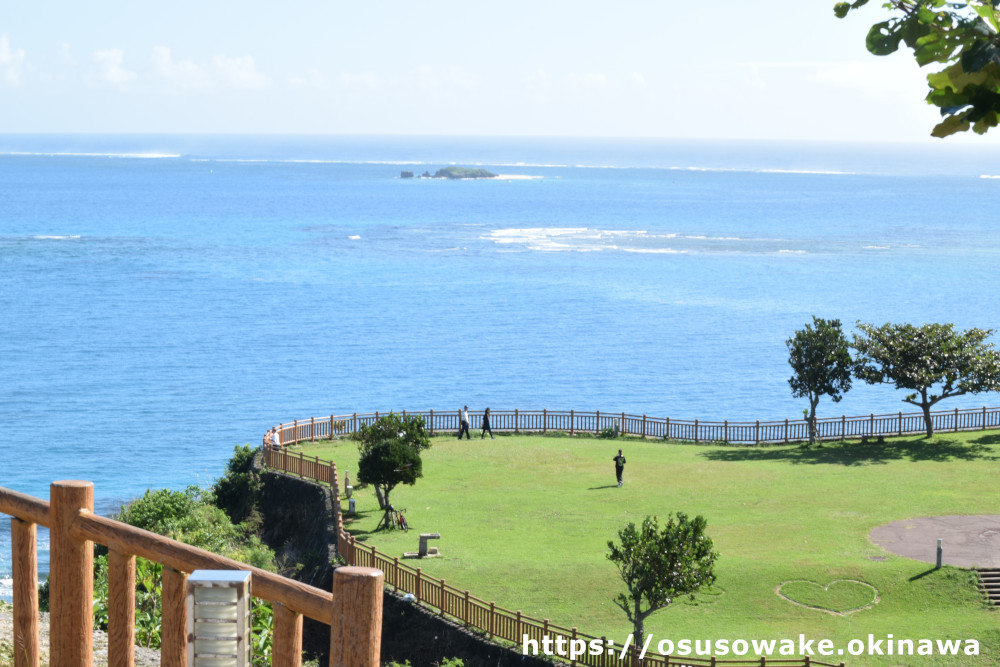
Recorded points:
(967, 541)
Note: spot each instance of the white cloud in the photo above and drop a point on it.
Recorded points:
(360, 81)
(11, 62)
(240, 72)
(179, 75)
(874, 77)
(110, 62)
(313, 78)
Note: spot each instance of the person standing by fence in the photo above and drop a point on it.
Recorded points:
(463, 420)
(619, 466)
(486, 426)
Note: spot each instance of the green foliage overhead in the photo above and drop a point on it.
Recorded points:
(934, 361)
(820, 358)
(961, 37)
(658, 566)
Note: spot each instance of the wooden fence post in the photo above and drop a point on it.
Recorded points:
(956, 420)
(312, 428)
(843, 427)
(786, 429)
(355, 423)
(516, 420)
(623, 429)
(287, 636)
(597, 426)
(756, 433)
(71, 580)
(493, 619)
(725, 430)
(668, 429)
(356, 630)
(444, 597)
(545, 419)
(466, 612)
(899, 428)
(871, 425)
(644, 425)
(295, 432)
(696, 430)
(121, 609)
(420, 582)
(571, 422)
(173, 633)
(24, 546)
(984, 419)
(432, 423)
(331, 428)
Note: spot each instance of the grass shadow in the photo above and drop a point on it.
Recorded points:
(599, 488)
(854, 453)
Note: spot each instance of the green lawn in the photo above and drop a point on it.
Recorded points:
(525, 521)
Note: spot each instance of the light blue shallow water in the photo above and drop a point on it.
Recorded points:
(158, 311)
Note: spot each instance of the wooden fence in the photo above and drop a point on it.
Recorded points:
(353, 611)
(573, 422)
(496, 622)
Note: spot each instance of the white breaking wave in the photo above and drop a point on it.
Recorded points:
(109, 155)
(55, 237)
(586, 239)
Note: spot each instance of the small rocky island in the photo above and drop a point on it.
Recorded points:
(454, 173)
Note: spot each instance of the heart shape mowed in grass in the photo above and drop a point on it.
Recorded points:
(839, 597)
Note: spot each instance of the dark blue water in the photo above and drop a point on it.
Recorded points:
(158, 310)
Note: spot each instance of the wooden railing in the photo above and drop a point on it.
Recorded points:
(496, 622)
(573, 422)
(353, 610)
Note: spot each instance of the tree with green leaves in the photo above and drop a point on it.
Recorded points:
(658, 566)
(934, 361)
(962, 37)
(408, 431)
(389, 464)
(820, 357)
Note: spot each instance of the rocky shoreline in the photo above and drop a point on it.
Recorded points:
(144, 657)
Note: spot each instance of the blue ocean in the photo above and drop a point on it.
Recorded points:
(165, 298)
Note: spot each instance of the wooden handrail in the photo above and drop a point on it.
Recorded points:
(298, 597)
(354, 614)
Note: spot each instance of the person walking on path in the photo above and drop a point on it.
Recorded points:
(619, 466)
(486, 426)
(463, 419)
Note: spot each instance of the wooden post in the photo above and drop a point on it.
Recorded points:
(545, 419)
(696, 430)
(871, 425)
(571, 422)
(623, 429)
(355, 423)
(419, 590)
(312, 428)
(573, 662)
(843, 427)
(493, 619)
(756, 433)
(517, 421)
(432, 422)
(121, 609)
(295, 432)
(956, 420)
(517, 632)
(786, 429)
(444, 597)
(725, 430)
(597, 427)
(899, 428)
(356, 630)
(287, 637)
(984, 419)
(466, 618)
(667, 436)
(331, 428)
(644, 425)
(71, 576)
(24, 547)
(173, 633)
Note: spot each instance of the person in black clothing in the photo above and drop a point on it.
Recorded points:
(486, 426)
(619, 466)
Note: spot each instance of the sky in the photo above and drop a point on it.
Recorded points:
(725, 69)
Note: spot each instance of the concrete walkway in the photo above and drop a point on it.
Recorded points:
(968, 541)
